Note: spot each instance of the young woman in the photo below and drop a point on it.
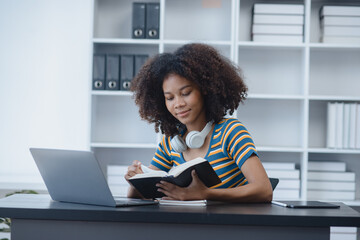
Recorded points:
(185, 91)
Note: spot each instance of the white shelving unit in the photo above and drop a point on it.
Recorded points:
(289, 84)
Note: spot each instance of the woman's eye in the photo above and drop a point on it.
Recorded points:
(169, 98)
(186, 93)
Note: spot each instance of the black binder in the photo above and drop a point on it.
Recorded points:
(138, 20)
(112, 72)
(98, 72)
(127, 71)
(139, 62)
(152, 20)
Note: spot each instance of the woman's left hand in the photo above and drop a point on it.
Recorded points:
(195, 191)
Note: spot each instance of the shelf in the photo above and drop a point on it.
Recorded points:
(334, 98)
(329, 150)
(275, 96)
(182, 42)
(126, 41)
(289, 84)
(122, 145)
(111, 93)
(280, 149)
(270, 45)
(333, 46)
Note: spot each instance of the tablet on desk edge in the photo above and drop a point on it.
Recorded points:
(305, 204)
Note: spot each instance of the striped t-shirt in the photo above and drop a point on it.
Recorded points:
(230, 146)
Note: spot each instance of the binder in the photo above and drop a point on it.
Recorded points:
(152, 20)
(127, 71)
(112, 72)
(138, 20)
(98, 72)
(139, 62)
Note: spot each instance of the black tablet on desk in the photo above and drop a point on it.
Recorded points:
(305, 204)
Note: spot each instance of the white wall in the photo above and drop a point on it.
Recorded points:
(45, 70)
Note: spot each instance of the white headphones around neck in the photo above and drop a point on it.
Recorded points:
(194, 139)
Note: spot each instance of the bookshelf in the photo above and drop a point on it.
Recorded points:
(286, 107)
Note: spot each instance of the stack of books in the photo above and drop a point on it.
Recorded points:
(343, 125)
(330, 181)
(289, 179)
(279, 23)
(116, 180)
(340, 24)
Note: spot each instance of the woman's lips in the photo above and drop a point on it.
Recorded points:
(183, 113)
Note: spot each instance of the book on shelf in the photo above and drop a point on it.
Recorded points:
(331, 176)
(331, 125)
(346, 126)
(340, 31)
(284, 174)
(286, 194)
(339, 21)
(180, 175)
(331, 186)
(116, 170)
(278, 19)
(357, 129)
(288, 184)
(277, 29)
(330, 195)
(119, 190)
(279, 165)
(339, 125)
(270, 8)
(327, 166)
(352, 126)
(340, 10)
(277, 38)
(119, 179)
(340, 40)
(342, 125)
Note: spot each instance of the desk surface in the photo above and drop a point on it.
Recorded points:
(26, 206)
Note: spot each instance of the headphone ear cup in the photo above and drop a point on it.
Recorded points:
(178, 144)
(195, 139)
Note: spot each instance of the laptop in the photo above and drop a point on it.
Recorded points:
(76, 177)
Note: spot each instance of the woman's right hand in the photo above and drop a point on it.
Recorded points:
(133, 169)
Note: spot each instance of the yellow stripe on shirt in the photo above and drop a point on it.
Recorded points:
(215, 152)
(237, 141)
(159, 156)
(157, 161)
(222, 166)
(235, 136)
(164, 145)
(244, 153)
(222, 138)
(242, 148)
(224, 174)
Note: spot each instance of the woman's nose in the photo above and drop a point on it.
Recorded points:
(179, 102)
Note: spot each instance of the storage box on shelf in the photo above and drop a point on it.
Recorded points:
(290, 84)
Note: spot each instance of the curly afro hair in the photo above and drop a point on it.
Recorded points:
(220, 82)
